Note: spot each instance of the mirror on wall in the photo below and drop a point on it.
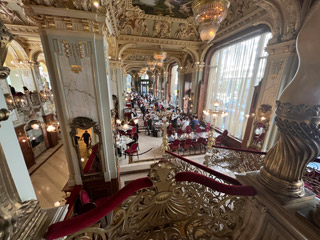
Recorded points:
(86, 140)
(261, 125)
(35, 135)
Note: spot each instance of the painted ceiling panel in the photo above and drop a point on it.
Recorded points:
(172, 8)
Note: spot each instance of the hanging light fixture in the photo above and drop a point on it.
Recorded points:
(209, 14)
(159, 64)
(151, 64)
(160, 56)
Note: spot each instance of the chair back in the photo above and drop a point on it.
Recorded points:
(200, 140)
(198, 130)
(188, 128)
(188, 142)
(169, 132)
(179, 131)
(197, 127)
(176, 142)
(219, 139)
(136, 137)
(134, 147)
(134, 130)
(84, 197)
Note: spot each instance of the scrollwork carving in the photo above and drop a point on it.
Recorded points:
(5, 38)
(176, 210)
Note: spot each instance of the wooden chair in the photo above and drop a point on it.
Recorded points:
(131, 150)
(197, 144)
(180, 132)
(175, 145)
(186, 145)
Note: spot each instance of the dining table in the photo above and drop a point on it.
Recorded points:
(122, 142)
(125, 128)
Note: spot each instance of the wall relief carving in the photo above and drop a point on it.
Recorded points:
(161, 29)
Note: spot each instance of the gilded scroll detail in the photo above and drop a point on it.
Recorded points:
(176, 210)
(299, 144)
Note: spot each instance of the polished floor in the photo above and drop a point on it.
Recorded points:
(49, 179)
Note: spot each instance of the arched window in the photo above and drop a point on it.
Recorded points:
(128, 82)
(174, 85)
(234, 71)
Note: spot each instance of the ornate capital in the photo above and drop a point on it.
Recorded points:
(115, 64)
(286, 47)
(5, 38)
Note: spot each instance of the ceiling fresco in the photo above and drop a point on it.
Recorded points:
(172, 8)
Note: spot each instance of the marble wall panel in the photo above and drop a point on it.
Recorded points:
(79, 89)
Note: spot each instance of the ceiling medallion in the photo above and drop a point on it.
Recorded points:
(209, 14)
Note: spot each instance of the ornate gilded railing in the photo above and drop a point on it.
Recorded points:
(179, 200)
(240, 161)
(236, 160)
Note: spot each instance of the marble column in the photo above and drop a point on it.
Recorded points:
(117, 74)
(76, 56)
(166, 88)
(281, 66)
(8, 139)
(180, 87)
(196, 80)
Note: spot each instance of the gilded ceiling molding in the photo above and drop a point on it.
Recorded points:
(277, 49)
(193, 53)
(285, 16)
(74, 15)
(23, 29)
(174, 59)
(124, 47)
(241, 24)
(9, 16)
(157, 41)
(204, 51)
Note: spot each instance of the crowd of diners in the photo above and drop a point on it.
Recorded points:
(185, 131)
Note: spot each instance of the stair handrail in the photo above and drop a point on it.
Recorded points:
(206, 169)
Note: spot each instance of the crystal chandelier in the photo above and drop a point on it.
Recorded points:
(160, 57)
(151, 64)
(208, 14)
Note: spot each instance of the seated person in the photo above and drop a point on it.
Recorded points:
(185, 124)
(194, 122)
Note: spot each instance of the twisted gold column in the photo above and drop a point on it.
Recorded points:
(298, 118)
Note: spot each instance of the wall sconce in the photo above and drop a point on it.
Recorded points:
(44, 95)
(9, 101)
(20, 100)
(35, 126)
(4, 114)
(51, 128)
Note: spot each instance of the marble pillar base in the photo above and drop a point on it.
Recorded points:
(270, 216)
